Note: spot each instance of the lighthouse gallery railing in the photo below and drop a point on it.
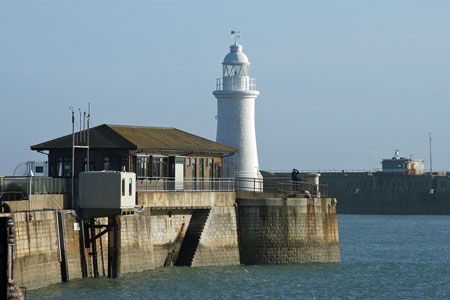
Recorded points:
(237, 84)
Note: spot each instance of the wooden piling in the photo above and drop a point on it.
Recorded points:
(94, 248)
(114, 247)
(82, 250)
(62, 244)
(3, 257)
(117, 246)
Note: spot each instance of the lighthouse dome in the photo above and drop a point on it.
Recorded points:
(236, 56)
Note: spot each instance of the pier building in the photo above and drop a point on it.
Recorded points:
(155, 152)
(403, 165)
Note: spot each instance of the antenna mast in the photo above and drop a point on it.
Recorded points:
(88, 145)
(73, 157)
(236, 35)
(431, 161)
(79, 141)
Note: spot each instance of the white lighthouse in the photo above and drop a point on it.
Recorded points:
(236, 94)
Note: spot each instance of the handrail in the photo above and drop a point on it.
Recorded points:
(280, 186)
(41, 184)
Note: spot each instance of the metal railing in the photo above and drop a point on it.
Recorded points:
(40, 185)
(280, 186)
(237, 84)
(166, 184)
(374, 170)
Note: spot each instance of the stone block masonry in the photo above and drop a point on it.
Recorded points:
(258, 230)
(288, 230)
(36, 253)
(137, 244)
(168, 230)
(219, 241)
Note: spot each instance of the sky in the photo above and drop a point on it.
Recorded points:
(342, 82)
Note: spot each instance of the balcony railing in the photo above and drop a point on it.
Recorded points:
(236, 84)
(166, 184)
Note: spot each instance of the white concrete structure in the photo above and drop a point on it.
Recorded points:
(236, 94)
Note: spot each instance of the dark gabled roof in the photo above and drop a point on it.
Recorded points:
(140, 138)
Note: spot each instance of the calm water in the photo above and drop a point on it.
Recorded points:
(383, 257)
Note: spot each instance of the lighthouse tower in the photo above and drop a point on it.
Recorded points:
(236, 94)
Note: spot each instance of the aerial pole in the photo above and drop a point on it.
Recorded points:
(79, 133)
(88, 121)
(73, 157)
(431, 161)
(84, 127)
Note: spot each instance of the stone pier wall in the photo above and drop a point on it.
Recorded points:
(137, 243)
(168, 230)
(288, 230)
(256, 231)
(218, 244)
(36, 251)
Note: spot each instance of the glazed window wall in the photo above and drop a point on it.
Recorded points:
(143, 166)
(64, 166)
(111, 163)
(211, 168)
(159, 166)
(235, 70)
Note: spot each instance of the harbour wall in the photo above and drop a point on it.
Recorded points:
(384, 193)
(388, 193)
(233, 230)
(37, 249)
(288, 230)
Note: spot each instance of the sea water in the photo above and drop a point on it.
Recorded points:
(383, 257)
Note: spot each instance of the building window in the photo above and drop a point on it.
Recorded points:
(159, 166)
(111, 163)
(64, 166)
(130, 187)
(202, 168)
(123, 187)
(211, 168)
(194, 168)
(143, 166)
(188, 162)
(91, 165)
(218, 171)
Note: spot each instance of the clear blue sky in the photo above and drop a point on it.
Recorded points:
(342, 83)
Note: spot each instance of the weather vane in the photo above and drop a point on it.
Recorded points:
(236, 35)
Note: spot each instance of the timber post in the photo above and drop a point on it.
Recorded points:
(117, 246)
(93, 242)
(62, 246)
(4, 257)
(114, 247)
